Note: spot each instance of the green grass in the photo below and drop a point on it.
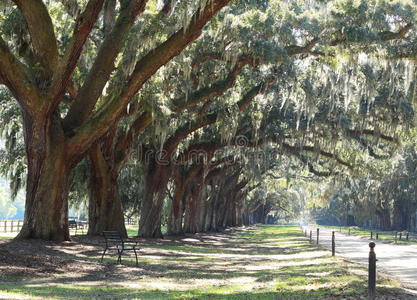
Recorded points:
(132, 230)
(267, 262)
(385, 236)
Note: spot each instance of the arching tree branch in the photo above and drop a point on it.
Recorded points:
(14, 75)
(83, 27)
(42, 33)
(100, 72)
(97, 125)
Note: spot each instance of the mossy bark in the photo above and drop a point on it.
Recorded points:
(46, 209)
(156, 182)
(105, 210)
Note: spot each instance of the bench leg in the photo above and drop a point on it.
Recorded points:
(104, 252)
(119, 259)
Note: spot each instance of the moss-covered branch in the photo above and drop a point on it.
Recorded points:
(83, 27)
(98, 124)
(13, 74)
(41, 30)
(103, 65)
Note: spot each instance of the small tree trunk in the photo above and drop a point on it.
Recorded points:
(105, 209)
(46, 208)
(385, 219)
(176, 213)
(203, 211)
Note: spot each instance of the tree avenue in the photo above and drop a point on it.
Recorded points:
(201, 88)
(55, 140)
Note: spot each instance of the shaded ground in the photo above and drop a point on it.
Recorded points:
(266, 262)
(399, 260)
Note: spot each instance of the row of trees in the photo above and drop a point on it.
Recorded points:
(188, 107)
(385, 199)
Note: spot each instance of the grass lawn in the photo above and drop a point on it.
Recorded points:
(263, 262)
(385, 236)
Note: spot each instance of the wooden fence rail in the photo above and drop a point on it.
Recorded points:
(11, 225)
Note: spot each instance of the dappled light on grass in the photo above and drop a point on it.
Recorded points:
(264, 262)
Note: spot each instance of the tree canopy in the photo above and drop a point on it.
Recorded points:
(185, 112)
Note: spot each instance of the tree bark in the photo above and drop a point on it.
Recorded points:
(156, 182)
(192, 212)
(105, 210)
(46, 209)
(175, 221)
(175, 217)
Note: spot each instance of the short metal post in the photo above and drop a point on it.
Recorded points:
(311, 236)
(401, 234)
(372, 235)
(396, 233)
(406, 237)
(377, 235)
(318, 235)
(372, 272)
(333, 244)
(349, 230)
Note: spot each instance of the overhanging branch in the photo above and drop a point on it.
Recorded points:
(103, 65)
(13, 74)
(144, 69)
(42, 33)
(83, 27)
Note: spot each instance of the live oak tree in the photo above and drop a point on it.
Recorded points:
(276, 56)
(72, 102)
(39, 78)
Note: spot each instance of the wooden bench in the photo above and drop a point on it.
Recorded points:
(72, 224)
(115, 241)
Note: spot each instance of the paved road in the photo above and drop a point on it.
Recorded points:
(398, 260)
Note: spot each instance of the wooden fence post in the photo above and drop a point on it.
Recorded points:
(318, 233)
(311, 236)
(333, 244)
(406, 237)
(396, 233)
(372, 235)
(372, 272)
(377, 235)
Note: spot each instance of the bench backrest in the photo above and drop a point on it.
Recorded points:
(113, 238)
(72, 223)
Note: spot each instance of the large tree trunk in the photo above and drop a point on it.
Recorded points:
(193, 207)
(105, 209)
(384, 218)
(46, 209)
(175, 219)
(155, 186)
